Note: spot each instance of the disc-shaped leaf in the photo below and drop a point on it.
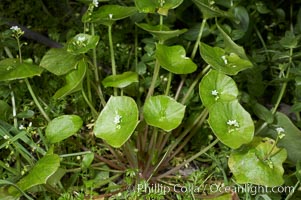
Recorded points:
(229, 63)
(161, 32)
(147, 6)
(231, 46)
(108, 14)
(292, 136)
(12, 69)
(163, 112)
(63, 127)
(82, 43)
(59, 61)
(73, 80)
(150, 6)
(217, 87)
(231, 123)
(117, 121)
(120, 80)
(256, 164)
(39, 174)
(181, 65)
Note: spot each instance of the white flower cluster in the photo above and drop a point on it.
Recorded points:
(95, 3)
(233, 123)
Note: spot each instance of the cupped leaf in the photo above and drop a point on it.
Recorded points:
(209, 9)
(230, 63)
(146, 6)
(12, 69)
(63, 127)
(163, 112)
(259, 163)
(231, 123)
(59, 61)
(117, 121)
(217, 87)
(292, 136)
(166, 57)
(73, 80)
(231, 46)
(108, 14)
(161, 32)
(39, 174)
(120, 80)
(82, 43)
(162, 7)
(263, 113)
(87, 160)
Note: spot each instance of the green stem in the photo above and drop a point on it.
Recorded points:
(189, 160)
(75, 154)
(283, 88)
(180, 87)
(13, 100)
(289, 196)
(96, 73)
(94, 112)
(168, 83)
(192, 86)
(112, 55)
(19, 48)
(154, 79)
(197, 42)
(36, 100)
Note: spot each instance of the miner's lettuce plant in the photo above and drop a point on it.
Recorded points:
(140, 124)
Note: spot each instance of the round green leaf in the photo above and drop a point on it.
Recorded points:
(217, 87)
(163, 112)
(150, 6)
(39, 174)
(73, 81)
(82, 43)
(161, 32)
(117, 121)
(147, 6)
(231, 123)
(229, 63)
(59, 61)
(292, 136)
(166, 57)
(63, 127)
(256, 164)
(108, 14)
(12, 69)
(120, 80)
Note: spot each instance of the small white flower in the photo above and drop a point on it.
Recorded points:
(110, 16)
(214, 92)
(15, 28)
(21, 127)
(6, 137)
(225, 59)
(81, 38)
(30, 124)
(95, 3)
(233, 123)
(280, 130)
(117, 119)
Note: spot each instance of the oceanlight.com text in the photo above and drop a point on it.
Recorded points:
(212, 188)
